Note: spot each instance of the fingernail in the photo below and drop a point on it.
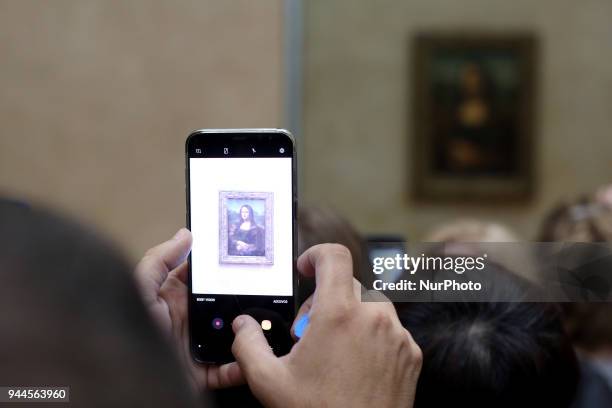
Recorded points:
(301, 325)
(238, 323)
(180, 233)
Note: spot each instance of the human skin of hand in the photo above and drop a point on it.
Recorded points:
(162, 278)
(353, 353)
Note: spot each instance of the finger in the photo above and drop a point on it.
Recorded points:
(250, 348)
(174, 292)
(332, 266)
(170, 254)
(374, 299)
(416, 352)
(375, 296)
(227, 375)
(180, 272)
(153, 269)
(304, 309)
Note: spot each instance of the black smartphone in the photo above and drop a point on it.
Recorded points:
(387, 245)
(241, 209)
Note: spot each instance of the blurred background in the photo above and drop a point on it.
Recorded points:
(97, 98)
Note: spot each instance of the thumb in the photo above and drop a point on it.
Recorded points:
(251, 349)
(153, 269)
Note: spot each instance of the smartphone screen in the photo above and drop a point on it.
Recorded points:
(385, 246)
(241, 200)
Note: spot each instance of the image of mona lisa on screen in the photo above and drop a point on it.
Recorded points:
(245, 230)
(245, 236)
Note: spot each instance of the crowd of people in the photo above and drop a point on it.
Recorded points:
(75, 313)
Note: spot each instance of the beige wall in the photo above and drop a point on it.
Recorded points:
(97, 97)
(356, 133)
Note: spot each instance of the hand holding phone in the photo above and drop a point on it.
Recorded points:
(379, 360)
(162, 278)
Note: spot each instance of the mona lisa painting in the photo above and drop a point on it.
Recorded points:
(473, 114)
(245, 228)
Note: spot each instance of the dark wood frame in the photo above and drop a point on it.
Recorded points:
(427, 186)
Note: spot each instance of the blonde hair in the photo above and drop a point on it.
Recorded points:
(470, 236)
(469, 230)
(583, 220)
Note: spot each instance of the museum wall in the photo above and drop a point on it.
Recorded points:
(358, 136)
(97, 98)
(88, 83)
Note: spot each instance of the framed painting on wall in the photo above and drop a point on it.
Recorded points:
(473, 115)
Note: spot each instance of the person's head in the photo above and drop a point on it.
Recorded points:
(71, 315)
(467, 236)
(321, 225)
(586, 219)
(246, 213)
(489, 353)
(471, 230)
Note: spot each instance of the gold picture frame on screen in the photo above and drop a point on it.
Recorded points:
(473, 114)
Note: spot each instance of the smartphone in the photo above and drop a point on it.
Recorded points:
(387, 245)
(241, 209)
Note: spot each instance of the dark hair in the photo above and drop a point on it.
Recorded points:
(71, 315)
(492, 354)
(318, 225)
(251, 215)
